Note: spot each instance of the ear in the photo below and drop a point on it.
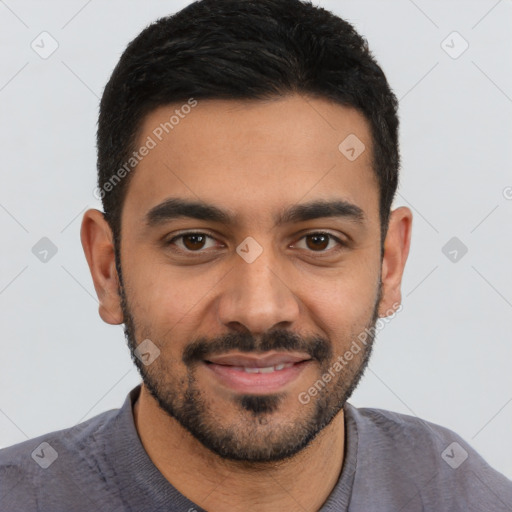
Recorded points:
(97, 242)
(396, 250)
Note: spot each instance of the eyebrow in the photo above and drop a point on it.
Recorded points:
(173, 208)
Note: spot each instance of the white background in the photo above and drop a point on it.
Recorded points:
(445, 358)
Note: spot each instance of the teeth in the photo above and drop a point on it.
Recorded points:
(268, 369)
(254, 370)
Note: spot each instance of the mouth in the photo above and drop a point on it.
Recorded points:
(257, 374)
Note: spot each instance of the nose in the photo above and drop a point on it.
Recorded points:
(258, 296)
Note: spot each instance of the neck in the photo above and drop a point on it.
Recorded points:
(301, 482)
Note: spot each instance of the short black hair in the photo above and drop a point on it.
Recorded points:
(242, 50)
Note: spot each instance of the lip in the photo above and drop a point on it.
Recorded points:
(235, 378)
(258, 361)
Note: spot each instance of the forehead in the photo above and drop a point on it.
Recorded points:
(253, 157)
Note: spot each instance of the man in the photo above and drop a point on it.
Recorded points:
(248, 160)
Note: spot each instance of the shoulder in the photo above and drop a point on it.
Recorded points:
(432, 463)
(393, 426)
(34, 469)
(25, 454)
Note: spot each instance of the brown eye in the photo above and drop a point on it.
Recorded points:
(320, 242)
(317, 241)
(194, 241)
(191, 242)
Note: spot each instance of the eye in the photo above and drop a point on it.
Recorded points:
(319, 241)
(191, 241)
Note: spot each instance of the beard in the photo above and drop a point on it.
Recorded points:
(258, 433)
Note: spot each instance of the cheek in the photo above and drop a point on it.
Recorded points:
(166, 302)
(153, 290)
(343, 307)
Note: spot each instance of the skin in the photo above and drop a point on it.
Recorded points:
(253, 159)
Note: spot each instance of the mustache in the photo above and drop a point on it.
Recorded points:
(316, 347)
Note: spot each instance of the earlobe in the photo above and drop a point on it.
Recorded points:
(97, 242)
(396, 251)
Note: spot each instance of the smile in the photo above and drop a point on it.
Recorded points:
(267, 369)
(256, 375)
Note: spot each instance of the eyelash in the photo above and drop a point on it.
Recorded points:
(201, 251)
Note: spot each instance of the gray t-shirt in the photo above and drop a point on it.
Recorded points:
(393, 462)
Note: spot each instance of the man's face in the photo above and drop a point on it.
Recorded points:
(246, 292)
